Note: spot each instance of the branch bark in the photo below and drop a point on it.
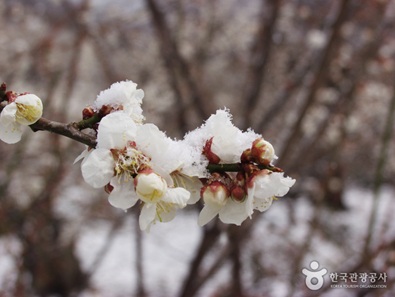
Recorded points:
(69, 130)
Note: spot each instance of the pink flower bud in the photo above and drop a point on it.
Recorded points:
(215, 193)
(87, 113)
(262, 151)
(246, 156)
(238, 194)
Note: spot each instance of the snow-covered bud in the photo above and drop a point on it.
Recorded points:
(150, 187)
(212, 158)
(262, 151)
(215, 193)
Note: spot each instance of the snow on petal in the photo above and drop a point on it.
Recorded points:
(228, 141)
(124, 96)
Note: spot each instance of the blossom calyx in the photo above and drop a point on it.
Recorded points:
(212, 158)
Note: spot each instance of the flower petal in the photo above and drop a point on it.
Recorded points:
(234, 212)
(263, 204)
(147, 216)
(208, 213)
(115, 130)
(177, 196)
(190, 183)
(82, 156)
(98, 168)
(10, 131)
(123, 195)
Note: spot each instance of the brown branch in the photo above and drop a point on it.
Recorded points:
(69, 130)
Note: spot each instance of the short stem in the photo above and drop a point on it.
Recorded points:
(235, 167)
(87, 123)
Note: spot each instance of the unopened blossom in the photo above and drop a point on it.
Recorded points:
(262, 151)
(123, 96)
(160, 201)
(25, 110)
(215, 197)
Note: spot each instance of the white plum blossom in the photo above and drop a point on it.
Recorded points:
(114, 161)
(124, 96)
(261, 192)
(160, 201)
(25, 110)
(130, 160)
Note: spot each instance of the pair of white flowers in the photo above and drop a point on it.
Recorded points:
(138, 164)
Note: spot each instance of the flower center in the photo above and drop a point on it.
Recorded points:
(28, 114)
(128, 162)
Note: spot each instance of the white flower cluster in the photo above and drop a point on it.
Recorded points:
(231, 171)
(138, 163)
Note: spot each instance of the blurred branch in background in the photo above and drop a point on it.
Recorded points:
(316, 77)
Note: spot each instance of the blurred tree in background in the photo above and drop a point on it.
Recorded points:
(316, 78)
